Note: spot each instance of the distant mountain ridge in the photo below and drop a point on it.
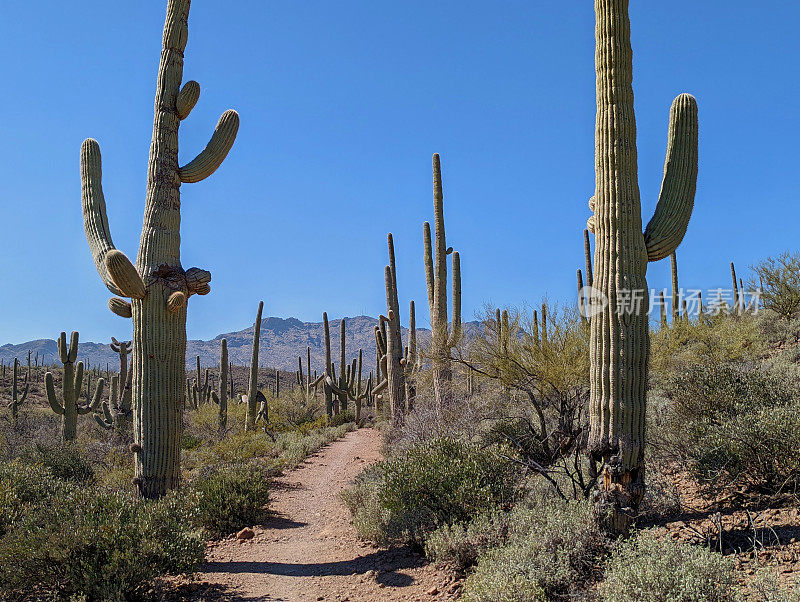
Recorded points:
(282, 340)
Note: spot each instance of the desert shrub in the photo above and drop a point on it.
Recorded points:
(239, 448)
(779, 280)
(709, 340)
(735, 425)
(294, 446)
(231, 497)
(343, 418)
(775, 329)
(24, 486)
(65, 461)
(552, 550)
(546, 385)
(95, 543)
(766, 587)
(461, 544)
(439, 482)
(647, 569)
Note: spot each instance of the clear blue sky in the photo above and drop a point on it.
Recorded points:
(342, 105)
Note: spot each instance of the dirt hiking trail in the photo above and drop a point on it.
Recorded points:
(308, 549)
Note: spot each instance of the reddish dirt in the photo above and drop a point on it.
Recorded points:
(308, 550)
(760, 532)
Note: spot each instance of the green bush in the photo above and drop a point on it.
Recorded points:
(461, 544)
(24, 486)
(438, 482)
(90, 542)
(709, 340)
(552, 551)
(65, 461)
(232, 497)
(646, 569)
(343, 418)
(779, 281)
(735, 425)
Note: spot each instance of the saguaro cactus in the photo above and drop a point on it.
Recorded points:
(411, 361)
(252, 401)
(738, 295)
(221, 399)
(443, 338)
(619, 343)
(306, 381)
(18, 399)
(68, 407)
(123, 349)
(388, 337)
(673, 265)
(157, 285)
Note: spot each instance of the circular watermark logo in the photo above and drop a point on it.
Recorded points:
(591, 301)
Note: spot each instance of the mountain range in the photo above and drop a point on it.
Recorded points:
(282, 341)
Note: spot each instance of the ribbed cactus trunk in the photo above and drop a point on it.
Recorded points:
(673, 266)
(252, 391)
(619, 343)
(443, 338)
(158, 286)
(222, 398)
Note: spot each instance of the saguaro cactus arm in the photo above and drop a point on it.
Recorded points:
(95, 219)
(187, 99)
(666, 229)
(207, 162)
(52, 398)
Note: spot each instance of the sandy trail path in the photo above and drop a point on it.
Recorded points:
(308, 549)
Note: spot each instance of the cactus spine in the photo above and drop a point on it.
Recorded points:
(221, 399)
(252, 391)
(18, 399)
(157, 285)
(68, 407)
(443, 338)
(619, 343)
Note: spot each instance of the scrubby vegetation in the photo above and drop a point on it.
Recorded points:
(723, 417)
(71, 526)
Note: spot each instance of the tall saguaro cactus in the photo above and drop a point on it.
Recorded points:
(443, 337)
(18, 399)
(252, 391)
(157, 285)
(388, 338)
(673, 265)
(619, 343)
(68, 407)
(221, 399)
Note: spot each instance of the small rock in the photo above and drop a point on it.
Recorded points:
(433, 591)
(246, 533)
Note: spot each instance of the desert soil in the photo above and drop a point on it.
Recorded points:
(308, 549)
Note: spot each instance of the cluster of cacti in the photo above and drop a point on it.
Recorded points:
(443, 336)
(221, 398)
(254, 412)
(72, 381)
(157, 285)
(307, 383)
(198, 394)
(118, 411)
(348, 386)
(619, 343)
(17, 397)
